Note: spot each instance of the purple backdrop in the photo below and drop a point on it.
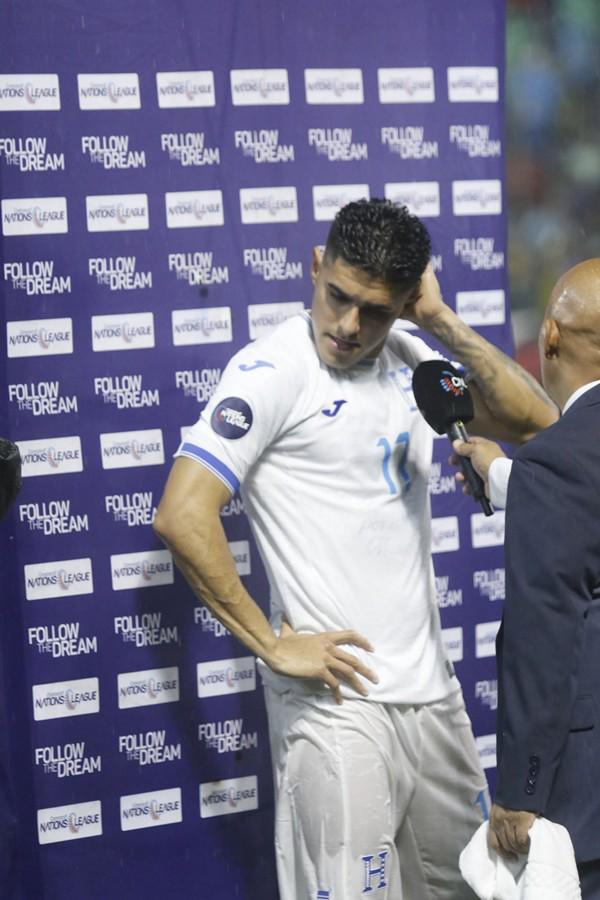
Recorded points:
(165, 169)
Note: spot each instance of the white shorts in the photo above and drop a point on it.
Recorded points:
(373, 798)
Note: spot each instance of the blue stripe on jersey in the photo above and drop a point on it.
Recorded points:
(211, 462)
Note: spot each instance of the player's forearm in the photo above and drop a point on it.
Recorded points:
(204, 558)
(512, 396)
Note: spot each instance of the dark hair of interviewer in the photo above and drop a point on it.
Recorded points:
(383, 239)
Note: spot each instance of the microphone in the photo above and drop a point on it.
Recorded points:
(445, 403)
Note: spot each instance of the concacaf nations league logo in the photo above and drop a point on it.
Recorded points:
(232, 418)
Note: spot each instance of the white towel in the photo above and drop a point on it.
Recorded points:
(548, 872)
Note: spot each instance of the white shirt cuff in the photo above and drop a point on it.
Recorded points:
(498, 475)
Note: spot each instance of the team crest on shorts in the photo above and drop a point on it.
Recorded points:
(232, 418)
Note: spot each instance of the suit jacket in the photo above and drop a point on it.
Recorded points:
(548, 647)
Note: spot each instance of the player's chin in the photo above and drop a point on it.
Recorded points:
(338, 361)
(337, 357)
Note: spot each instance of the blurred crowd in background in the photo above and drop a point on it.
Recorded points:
(553, 151)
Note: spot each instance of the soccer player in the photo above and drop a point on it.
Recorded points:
(378, 782)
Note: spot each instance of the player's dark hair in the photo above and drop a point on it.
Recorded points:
(383, 239)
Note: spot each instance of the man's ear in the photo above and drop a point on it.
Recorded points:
(551, 338)
(316, 263)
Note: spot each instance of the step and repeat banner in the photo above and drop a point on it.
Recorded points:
(166, 169)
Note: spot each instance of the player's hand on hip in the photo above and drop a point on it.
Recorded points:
(320, 656)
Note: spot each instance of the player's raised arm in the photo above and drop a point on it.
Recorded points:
(509, 403)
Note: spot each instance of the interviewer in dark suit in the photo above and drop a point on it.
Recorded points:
(548, 647)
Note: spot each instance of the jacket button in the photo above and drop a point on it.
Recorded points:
(529, 790)
(534, 760)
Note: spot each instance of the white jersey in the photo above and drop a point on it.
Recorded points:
(333, 467)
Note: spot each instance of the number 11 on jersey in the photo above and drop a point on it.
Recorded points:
(398, 482)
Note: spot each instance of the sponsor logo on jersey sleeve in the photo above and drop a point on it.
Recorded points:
(232, 418)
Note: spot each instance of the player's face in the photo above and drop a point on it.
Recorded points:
(352, 313)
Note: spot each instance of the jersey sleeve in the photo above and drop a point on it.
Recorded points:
(249, 409)
(411, 348)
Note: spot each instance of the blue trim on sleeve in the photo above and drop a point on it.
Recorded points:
(211, 462)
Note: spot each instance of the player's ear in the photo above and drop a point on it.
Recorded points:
(550, 335)
(316, 263)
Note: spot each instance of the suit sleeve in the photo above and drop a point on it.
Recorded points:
(551, 561)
